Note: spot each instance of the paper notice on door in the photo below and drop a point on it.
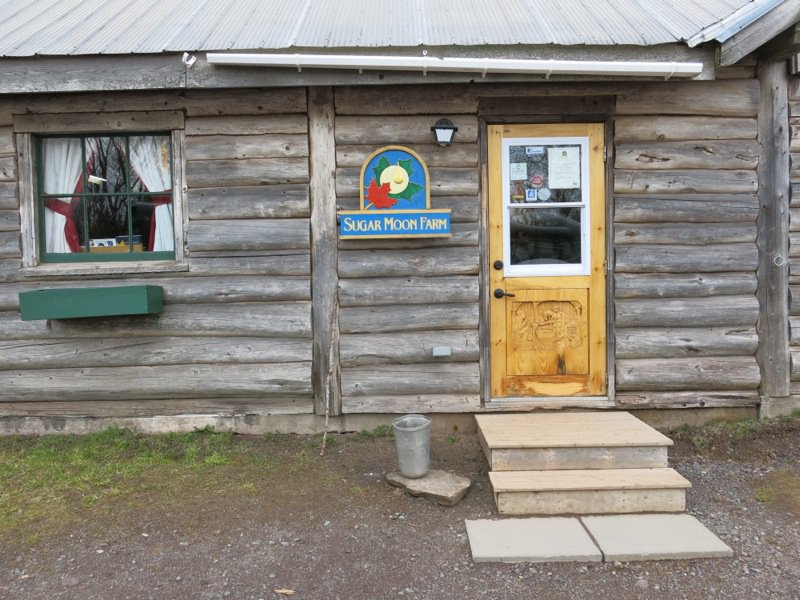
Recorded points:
(564, 168)
(518, 171)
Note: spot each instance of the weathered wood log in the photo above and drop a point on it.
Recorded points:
(688, 208)
(795, 363)
(254, 171)
(706, 154)
(184, 290)
(162, 382)
(378, 130)
(736, 72)
(679, 342)
(421, 404)
(324, 253)
(687, 312)
(9, 220)
(8, 195)
(653, 128)
(247, 125)
(443, 181)
(636, 258)
(398, 318)
(713, 98)
(407, 290)
(277, 262)
(8, 168)
(794, 192)
(714, 374)
(241, 408)
(272, 319)
(249, 234)
(7, 141)
(408, 380)
(407, 348)
(461, 234)
(586, 105)
(249, 202)
(690, 285)
(9, 244)
(73, 353)
(794, 220)
(794, 300)
(81, 122)
(253, 102)
(463, 209)
(794, 330)
(456, 155)
(415, 100)
(700, 399)
(685, 234)
(9, 269)
(216, 147)
(689, 181)
(430, 263)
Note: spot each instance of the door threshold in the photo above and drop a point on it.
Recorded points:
(547, 403)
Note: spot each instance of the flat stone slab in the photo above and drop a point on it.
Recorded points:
(537, 539)
(443, 487)
(654, 537)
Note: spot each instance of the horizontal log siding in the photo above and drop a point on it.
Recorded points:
(794, 229)
(685, 211)
(235, 334)
(401, 298)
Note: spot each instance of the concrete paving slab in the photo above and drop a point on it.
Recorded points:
(654, 537)
(541, 539)
(443, 487)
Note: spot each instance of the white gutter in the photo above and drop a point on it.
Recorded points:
(460, 65)
(733, 23)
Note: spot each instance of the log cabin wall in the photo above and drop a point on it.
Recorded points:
(235, 333)
(399, 298)
(794, 233)
(685, 234)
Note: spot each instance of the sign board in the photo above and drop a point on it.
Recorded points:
(394, 190)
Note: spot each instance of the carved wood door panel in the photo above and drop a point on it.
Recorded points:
(547, 260)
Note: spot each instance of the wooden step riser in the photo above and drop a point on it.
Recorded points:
(589, 502)
(549, 459)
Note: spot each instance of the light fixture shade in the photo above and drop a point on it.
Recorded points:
(444, 130)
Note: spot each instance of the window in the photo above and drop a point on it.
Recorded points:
(545, 203)
(104, 198)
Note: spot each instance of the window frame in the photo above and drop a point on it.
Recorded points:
(30, 128)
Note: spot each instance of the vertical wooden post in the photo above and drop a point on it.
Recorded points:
(773, 232)
(324, 253)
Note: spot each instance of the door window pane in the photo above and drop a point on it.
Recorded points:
(545, 236)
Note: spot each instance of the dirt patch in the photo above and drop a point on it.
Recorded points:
(280, 517)
(781, 490)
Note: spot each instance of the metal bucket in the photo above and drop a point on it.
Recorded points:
(412, 436)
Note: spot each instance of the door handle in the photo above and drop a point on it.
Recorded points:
(498, 293)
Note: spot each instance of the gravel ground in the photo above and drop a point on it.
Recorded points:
(337, 530)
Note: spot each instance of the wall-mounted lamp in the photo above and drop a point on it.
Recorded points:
(444, 130)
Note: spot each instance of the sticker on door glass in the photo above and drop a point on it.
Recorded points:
(534, 150)
(564, 168)
(518, 171)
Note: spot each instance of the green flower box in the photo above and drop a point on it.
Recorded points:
(80, 303)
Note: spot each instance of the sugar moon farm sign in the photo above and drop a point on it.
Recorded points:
(395, 199)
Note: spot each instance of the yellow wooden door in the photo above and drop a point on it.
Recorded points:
(547, 260)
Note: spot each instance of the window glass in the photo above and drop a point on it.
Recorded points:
(106, 198)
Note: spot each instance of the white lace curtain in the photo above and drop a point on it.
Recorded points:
(62, 175)
(150, 161)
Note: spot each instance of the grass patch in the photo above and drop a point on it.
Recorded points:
(726, 434)
(50, 482)
(781, 489)
(381, 431)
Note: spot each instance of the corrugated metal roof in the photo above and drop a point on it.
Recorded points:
(87, 27)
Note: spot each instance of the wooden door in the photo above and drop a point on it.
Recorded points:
(547, 260)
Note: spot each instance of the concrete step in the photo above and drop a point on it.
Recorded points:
(570, 440)
(586, 492)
